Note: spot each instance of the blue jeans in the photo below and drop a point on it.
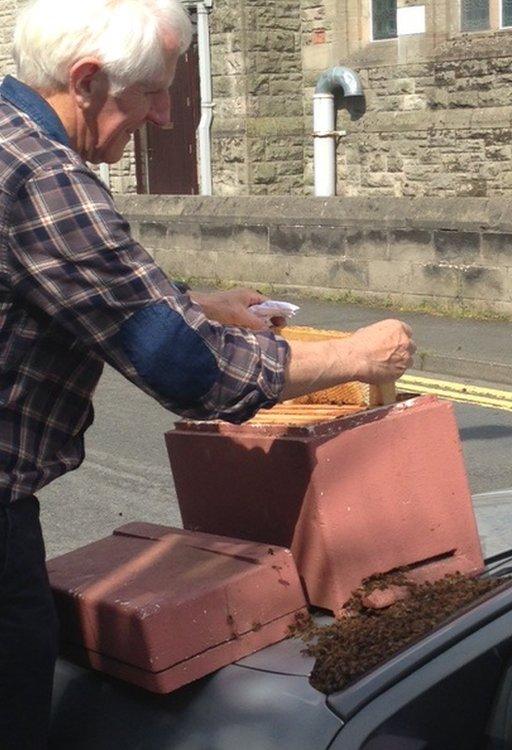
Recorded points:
(28, 629)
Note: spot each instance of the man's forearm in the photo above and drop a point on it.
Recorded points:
(377, 354)
(315, 365)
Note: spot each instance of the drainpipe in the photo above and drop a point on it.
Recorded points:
(205, 82)
(325, 136)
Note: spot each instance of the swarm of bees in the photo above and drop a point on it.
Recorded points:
(363, 637)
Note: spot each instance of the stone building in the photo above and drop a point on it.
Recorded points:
(437, 80)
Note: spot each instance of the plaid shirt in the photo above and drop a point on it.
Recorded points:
(75, 291)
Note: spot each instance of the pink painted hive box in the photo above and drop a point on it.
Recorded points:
(161, 607)
(351, 497)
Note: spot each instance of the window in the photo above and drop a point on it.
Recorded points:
(475, 15)
(384, 19)
(506, 13)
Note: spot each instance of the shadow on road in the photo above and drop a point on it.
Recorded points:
(485, 432)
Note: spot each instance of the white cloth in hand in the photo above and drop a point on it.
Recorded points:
(274, 309)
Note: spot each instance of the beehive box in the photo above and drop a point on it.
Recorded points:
(351, 493)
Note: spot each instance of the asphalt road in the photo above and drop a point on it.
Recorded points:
(126, 475)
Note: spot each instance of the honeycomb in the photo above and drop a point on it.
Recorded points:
(291, 414)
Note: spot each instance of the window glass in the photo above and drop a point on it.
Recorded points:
(475, 15)
(384, 19)
(506, 12)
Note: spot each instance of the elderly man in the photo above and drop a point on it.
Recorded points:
(77, 291)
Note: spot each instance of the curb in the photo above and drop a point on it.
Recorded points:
(442, 364)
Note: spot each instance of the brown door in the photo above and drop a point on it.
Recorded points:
(166, 158)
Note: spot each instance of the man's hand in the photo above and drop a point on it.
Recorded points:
(231, 308)
(382, 352)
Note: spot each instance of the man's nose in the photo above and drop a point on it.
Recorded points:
(160, 111)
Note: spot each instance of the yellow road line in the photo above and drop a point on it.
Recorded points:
(473, 394)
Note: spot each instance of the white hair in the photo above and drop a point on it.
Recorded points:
(125, 35)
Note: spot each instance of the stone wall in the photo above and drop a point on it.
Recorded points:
(123, 175)
(438, 104)
(440, 128)
(258, 131)
(450, 254)
(8, 10)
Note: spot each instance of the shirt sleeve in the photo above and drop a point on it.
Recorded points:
(73, 257)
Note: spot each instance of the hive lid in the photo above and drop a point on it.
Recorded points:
(153, 596)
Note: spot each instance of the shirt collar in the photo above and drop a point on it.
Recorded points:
(30, 102)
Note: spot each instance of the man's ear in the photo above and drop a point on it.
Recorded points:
(88, 83)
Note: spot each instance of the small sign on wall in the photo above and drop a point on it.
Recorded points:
(410, 20)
